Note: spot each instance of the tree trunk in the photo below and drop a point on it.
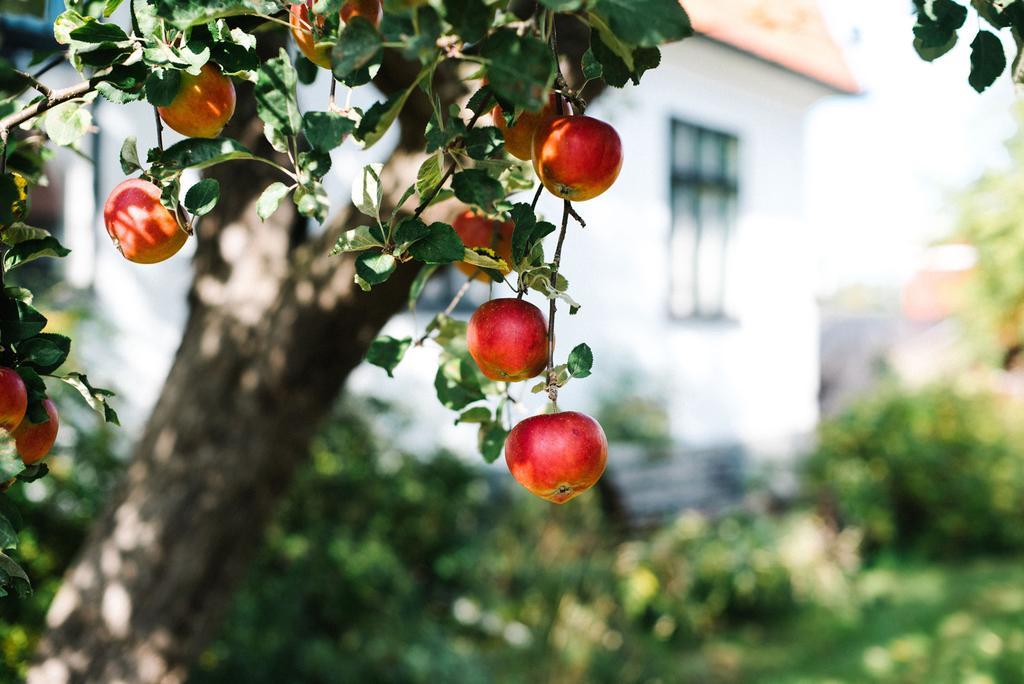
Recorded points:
(273, 331)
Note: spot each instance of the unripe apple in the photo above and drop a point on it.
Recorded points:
(142, 229)
(576, 157)
(13, 399)
(301, 20)
(203, 105)
(34, 440)
(519, 136)
(557, 456)
(508, 339)
(476, 230)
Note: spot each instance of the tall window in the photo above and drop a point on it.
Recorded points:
(704, 197)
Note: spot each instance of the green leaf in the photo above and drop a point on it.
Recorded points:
(8, 535)
(10, 198)
(200, 153)
(36, 388)
(185, 13)
(379, 117)
(581, 360)
(408, 231)
(202, 197)
(483, 141)
(476, 187)
(988, 60)
(470, 18)
(162, 86)
(388, 352)
(416, 289)
(276, 103)
(527, 232)
(325, 131)
(67, 122)
(19, 321)
(45, 352)
(591, 67)
(305, 70)
(311, 200)
(477, 414)
(457, 385)
(375, 268)
(20, 232)
(429, 175)
(367, 191)
(33, 472)
(358, 46)
(130, 156)
(96, 397)
(937, 24)
(441, 246)
(13, 578)
(491, 440)
(356, 240)
(562, 5)
(521, 68)
(645, 23)
(30, 250)
(270, 199)
(313, 165)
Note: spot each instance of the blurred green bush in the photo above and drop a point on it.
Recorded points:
(935, 471)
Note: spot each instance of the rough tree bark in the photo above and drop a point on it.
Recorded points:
(274, 328)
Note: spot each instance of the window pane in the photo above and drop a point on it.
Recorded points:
(711, 252)
(684, 156)
(732, 161)
(683, 252)
(712, 156)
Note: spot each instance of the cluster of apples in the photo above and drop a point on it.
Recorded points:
(142, 228)
(31, 440)
(559, 455)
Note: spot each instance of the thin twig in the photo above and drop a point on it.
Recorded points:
(159, 129)
(553, 309)
(575, 215)
(452, 304)
(536, 196)
(451, 167)
(331, 107)
(57, 97)
(43, 89)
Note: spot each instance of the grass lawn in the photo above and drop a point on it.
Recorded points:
(933, 624)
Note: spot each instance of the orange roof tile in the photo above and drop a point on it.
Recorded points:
(790, 33)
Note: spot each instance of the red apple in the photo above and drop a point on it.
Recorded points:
(13, 399)
(508, 339)
(557, 456)
(142, 229)
(34, 440)
(576, 157)
(203, 105)
(519, 136)
(476, 230)
(299, 18)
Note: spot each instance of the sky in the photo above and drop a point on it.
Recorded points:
(884, 167)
